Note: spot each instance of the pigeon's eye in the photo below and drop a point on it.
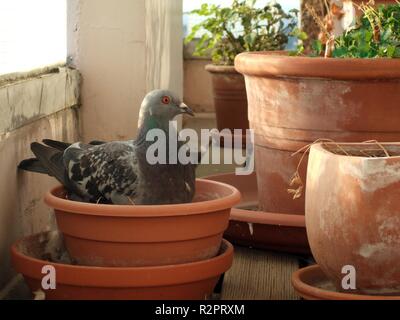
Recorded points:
(166, 100)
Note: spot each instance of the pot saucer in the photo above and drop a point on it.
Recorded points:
(312, 284)
(193, 281)
(262, 230)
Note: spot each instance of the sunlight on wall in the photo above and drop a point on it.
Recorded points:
(32, 34)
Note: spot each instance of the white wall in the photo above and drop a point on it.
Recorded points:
(123, 49)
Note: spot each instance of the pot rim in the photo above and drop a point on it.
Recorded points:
(306, 289)
(126, 276)
(320, 148)
(269, 218)
(168, 210)
(280, 64)
(215, 68)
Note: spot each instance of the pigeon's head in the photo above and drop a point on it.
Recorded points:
(162, 106)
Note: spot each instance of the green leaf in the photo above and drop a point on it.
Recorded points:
(317, 47)
(242, 27)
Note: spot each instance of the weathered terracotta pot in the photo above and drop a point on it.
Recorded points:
(294, 101)
(353, 215)
(377, 2)
(230, 98)
(194, 280)
(113, 235)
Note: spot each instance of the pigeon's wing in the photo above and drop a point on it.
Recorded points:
(59, 145)
(106, 171)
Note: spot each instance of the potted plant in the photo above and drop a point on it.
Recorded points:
(353, 213)
(228, 32)
(351, 95)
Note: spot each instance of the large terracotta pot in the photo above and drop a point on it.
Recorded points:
(294, 101)
(114, 235)
(353, 214)
(230, 98)
(259, 229)
(194, 280)
(377, 2)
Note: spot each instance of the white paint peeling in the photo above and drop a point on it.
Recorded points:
(369, 250)
(388, 230)
(372, 174)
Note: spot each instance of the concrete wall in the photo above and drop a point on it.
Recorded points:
(31, 110)
(123, 49)
(197, 86)
(197, 81)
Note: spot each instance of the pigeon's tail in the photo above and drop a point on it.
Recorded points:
(51, 160)
(55, 153)
(32, 165)
(61, 146)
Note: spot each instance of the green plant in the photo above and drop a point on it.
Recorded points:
(242, 27)
(375, 35)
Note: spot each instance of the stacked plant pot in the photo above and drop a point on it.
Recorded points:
(134, 252)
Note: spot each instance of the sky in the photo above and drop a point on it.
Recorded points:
(32, 34)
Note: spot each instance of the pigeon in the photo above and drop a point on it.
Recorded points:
(118, 172)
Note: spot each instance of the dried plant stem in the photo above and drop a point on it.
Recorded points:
(380, 145)
(131, 201)
(318, 20)
(296, 180)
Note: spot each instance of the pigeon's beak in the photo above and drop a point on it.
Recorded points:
(185, 109)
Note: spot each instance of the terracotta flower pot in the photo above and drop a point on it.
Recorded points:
(294, 101)
(353, 214)
(194, 280)
(230, 98)
(377, 2)
(113, 235)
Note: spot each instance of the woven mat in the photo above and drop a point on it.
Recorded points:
(260, 275)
